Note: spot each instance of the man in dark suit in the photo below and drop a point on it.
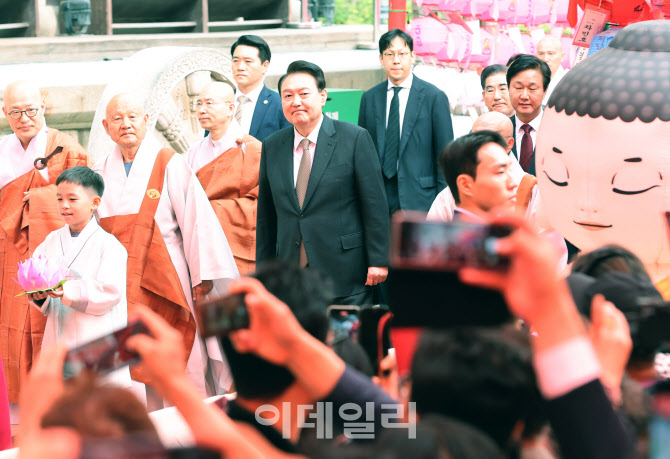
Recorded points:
(257, 108)
(410, 123)
(321, 201)
(528, 78)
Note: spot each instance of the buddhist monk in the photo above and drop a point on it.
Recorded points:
(177, 251)
(228, 171)
(30, 161)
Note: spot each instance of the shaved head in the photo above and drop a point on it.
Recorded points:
(216, 108)
(550, 50)
(496, 121)
(20, 96)
(124, 100)
(218, 89)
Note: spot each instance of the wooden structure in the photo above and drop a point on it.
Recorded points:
(18, 19)
(164, 16)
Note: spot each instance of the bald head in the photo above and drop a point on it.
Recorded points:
(550, 50)
(126, 123)
(23, 99)
(216, 108)
(496, 121)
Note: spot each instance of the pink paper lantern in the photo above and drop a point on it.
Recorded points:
(477, 7)
(540, 12)
(560, 11)
(459, 44)
(499, 11)
(566, 44)
(452, 5)
(429, 35)
(519, 12)
(528, 43)
(488, 49)
(505, 49)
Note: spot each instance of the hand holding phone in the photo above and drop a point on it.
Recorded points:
(220, 316)
(105, 354)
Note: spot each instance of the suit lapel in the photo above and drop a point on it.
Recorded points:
(513, 118)
(414, 102)
(325, 145)
(286, 167)
(380, 118)
(259, 111)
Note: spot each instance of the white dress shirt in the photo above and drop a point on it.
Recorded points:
(518, 135)
(249, 107)
(403, 95)
(297, 148)
(16, 161)
(208, 149)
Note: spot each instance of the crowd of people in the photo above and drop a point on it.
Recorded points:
(300, 206)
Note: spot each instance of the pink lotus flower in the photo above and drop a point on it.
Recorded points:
(40, 273)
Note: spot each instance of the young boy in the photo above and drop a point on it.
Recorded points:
(92, 303)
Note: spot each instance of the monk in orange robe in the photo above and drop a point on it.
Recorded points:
(31, 160)
(227, 168)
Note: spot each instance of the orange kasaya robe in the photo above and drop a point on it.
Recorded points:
(152, 278)
(23, 227)
(231, 184)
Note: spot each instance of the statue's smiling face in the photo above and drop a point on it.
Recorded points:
(606, 181)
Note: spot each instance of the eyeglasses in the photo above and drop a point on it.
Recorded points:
(402, 55)
(17, 114)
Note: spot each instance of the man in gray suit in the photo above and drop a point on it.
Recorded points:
(410, 123)
(321, 200)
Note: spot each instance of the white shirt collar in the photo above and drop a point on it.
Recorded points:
(470, 215)
(313, 136)
(254, 94)
(405, 84)
(535, 122)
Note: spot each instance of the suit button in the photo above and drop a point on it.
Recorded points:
(302, 217)
(297, 244)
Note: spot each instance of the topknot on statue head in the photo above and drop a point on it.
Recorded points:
(629, 79)
(603, 148)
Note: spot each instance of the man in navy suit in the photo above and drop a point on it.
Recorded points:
(528, 78)
(257, 109)
(410, 123)
(321, 200)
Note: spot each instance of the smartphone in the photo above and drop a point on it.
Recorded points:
(105, 354)
(220, 316)
(343, 323)
(445, 246)
(374, 332)
(424, 289)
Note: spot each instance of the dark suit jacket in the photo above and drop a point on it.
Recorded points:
(268, 115)
(344, 221)
(426, 129)
(531, 169)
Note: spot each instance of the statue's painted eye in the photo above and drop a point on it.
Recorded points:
(635, 178)
(555, 169)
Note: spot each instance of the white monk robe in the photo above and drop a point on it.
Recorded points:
(94, 297)
(192, 234)
(16, 161)
(207, 150)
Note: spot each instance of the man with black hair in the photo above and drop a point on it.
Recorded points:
(528, 78)
(259, 382)
(478, 376)
(321, 201)
(479, 174)
(257, 109)
(409, 120)
(495, 90)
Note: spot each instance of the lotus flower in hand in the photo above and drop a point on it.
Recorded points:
(40, 273)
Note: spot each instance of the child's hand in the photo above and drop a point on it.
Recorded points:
(58, 293)
(38, 296)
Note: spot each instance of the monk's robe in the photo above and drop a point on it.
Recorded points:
(23, 227)
(229, 175)
(162, 216)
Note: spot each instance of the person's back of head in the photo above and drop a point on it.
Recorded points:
(478, 376)
(94, 409)
(307, 295)
(609, 258)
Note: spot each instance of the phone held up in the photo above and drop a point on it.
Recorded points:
(222, 315)
(424, 288)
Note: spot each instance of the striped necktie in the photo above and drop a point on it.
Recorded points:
(241, 104)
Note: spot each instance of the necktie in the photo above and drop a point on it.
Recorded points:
(301, 187)
(526, 147)
(392, 140)
(241, 103)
